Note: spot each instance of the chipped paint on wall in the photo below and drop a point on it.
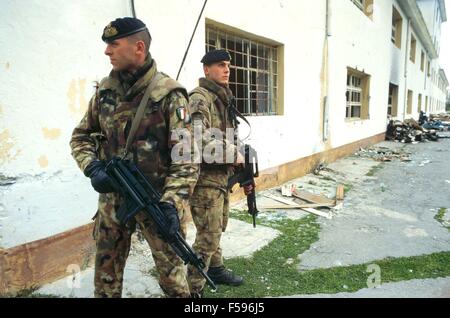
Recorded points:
(43, 161)
(76, 96)
(51, 133)
(6, 145)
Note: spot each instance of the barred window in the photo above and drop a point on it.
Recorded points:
(253, 71)
(354, 96)
(357, 95)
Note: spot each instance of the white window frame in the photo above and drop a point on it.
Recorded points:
(354, 96)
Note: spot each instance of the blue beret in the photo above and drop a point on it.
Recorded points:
(216, 56)
(121, 28)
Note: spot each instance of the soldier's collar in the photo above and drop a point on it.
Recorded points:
(142, 82)
(224, 93)
(130, 78)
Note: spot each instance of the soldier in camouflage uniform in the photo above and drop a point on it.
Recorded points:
(102, 134)
(211, 107)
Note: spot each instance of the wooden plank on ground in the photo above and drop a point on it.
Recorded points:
(340, 193)
(273, 197)
(291, 207)
(312, 197)
(319, 213)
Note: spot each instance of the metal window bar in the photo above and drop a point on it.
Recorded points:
(354, 97)
(256, 75)
(360, 4)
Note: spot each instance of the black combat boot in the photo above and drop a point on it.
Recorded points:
(220, 275)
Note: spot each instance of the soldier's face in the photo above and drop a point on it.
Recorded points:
(218, 72)
(122, 55)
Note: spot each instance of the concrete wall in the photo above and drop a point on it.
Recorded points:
(50, 54)
(57, 55)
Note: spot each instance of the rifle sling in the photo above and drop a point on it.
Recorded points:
(141, 110)
(238, 113)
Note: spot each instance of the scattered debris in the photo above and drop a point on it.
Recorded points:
(5, 181)
(441, 121)
(306, 201)
(306, 196)
(409, 131)
(425, 162)
(286, 190)
(319, 168)
(384, 154)
(339, 197)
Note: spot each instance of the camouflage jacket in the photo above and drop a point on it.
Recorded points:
(210, 108)
(103, 132)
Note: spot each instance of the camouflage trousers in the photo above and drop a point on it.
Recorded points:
(113, 245)
(209, 209)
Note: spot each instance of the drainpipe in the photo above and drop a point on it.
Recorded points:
(133, 9)
(408, 49)
(325, 132)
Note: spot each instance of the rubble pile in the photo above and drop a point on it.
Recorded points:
(409, 131)
(384, 154)
(439, 122)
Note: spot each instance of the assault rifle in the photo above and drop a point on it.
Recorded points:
(246, 176)
(140, 196)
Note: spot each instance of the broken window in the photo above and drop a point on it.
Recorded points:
(397, 23)
(357, 98)
(419, 104)
(254, 71)
(393, 100)
(412, 53)
(409, 102)
(422, 62)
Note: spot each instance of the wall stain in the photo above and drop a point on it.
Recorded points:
(7, 65)
(51, 134)
(75, 94)
(43, 161)
(6, 144)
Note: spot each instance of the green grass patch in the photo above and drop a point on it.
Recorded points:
(273, 270)
(347, 188)
(440, 217)
(374, 170)
(328, 178)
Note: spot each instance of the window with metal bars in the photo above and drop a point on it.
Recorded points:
(354, 96)
(357, 94)
(253, 71)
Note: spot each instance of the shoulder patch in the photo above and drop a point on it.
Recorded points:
(183, 114)
(164, 86)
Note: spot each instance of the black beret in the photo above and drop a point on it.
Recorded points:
(216, 56)
(121, 28)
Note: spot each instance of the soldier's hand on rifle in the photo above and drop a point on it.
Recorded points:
(172, 216)
(101, 182)
(248, 189)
